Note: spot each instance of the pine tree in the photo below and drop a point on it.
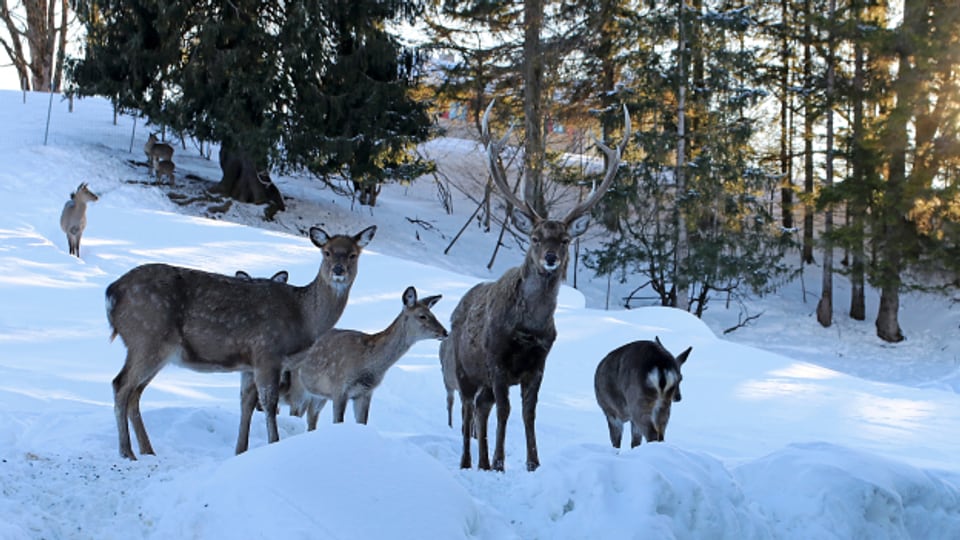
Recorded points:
(280, 85)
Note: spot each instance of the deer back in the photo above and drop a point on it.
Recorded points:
(635, 379)
(223, 322)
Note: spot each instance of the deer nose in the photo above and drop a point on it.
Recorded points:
(550, 258)
(338, 270)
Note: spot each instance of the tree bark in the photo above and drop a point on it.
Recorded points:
(808, 118)
(786, 191)
(856, 208)
(681, 253)
(243, 181)
(825, 305)
(533, 192)
(39, 65)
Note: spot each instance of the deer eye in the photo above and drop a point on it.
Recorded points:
(422, 317)
(326, 253)
(535, 239)
(353, 256)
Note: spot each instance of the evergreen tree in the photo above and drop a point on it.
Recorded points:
(315, 85)
(732, 242)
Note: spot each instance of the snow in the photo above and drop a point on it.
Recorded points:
(786, 430)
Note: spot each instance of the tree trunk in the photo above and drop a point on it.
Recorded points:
(786, 191)
(808, 118)
(243, 181)
(533, 192)
(892, 212)
(825, 305)
(856, 208)
(681, 253)
(39, 65)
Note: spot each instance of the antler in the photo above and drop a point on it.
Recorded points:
(494, 147)
(613, 162)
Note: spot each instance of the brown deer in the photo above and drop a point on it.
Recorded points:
(502, 331)
(213, 322)
(73, 219)
(638, 383)
(157, 151)
(344, 365)
(166, 168)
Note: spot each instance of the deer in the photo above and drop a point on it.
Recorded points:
(73, 219)
(502, 331)
(216, 323)
(163, 168)
(638, 383)
(157, 151)
(343, 365)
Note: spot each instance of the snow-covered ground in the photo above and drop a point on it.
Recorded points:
(786, 430)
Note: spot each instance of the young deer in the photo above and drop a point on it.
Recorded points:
(73, 219)
(501, 332)
(157, 151)
(212, 322)
(163, 168)
(638, 383)
(344, 365)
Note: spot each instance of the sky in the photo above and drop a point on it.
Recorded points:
(785, 431)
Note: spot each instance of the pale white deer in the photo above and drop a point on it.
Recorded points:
(501, 332)
(73, 219)
(213, 322)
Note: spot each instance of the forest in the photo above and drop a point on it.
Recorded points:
(761, 129)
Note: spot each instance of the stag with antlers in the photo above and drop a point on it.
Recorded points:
(502, 331)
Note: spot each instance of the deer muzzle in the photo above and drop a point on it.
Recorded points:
(550, 261)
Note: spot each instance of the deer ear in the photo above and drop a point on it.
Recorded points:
(683, 356)
(319, 237)
(280, 277)
(579, 225)
(365, 236)
(431, 300)
(243, 275)
(410, 297)
(522, 221)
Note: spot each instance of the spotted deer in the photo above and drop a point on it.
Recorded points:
(638, 383)
(502, 331)
(73, 219)
(344, 365)
(215, 323)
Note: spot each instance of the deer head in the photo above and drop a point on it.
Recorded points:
(549, 238)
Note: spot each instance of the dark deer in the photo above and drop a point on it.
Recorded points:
(344, 365)
(638, 383)
(502, 331)
(73, 219)
(212, 322)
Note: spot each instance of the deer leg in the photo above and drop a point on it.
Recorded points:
(121, 404)
(450, 408)
(529, 391)
(501, 396)
(339, 409)
(467, 409)
(361, 408)
(313, 412)
(248, 402)
(637, 430)
(138, 369)
(268, 389)
(616, 430)
(143, 441)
